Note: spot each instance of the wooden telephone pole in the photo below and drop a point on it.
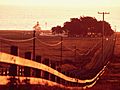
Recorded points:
(103, 30)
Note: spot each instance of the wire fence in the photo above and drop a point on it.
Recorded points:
(54, 47)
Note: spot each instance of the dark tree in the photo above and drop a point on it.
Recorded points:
(73, 27)
(107, 28)
(57, 30)
(83, 26)
(89, 24)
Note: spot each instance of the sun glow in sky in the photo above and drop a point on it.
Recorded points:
(23, 14)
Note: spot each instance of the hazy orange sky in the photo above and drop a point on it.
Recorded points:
(23, 14)
(73, 3)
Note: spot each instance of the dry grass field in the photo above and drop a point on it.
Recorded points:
(45, 49)
(110, 80)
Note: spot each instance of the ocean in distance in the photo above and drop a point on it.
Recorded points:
(24, 18)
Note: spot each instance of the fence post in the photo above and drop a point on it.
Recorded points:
(38, 59)
(58, 78)
(27, 70)
(28, 55)
(14, 50)
(52, 76)
(38, 72)
(13, 67)
(45, 74)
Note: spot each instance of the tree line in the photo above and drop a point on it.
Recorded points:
(84, 26)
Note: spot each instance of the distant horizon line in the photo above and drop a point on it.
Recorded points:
(20, 30)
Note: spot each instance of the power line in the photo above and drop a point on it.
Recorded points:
(103, 30)
(19, 41)
(34, 44)
(48, 44)
(61, 49)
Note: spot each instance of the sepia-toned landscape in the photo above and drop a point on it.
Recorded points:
(59, 45)
(74, 50)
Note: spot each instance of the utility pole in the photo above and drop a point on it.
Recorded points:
(61, 48)
(114, 39)
(36, 28)
(103, 13)
(34, 45)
